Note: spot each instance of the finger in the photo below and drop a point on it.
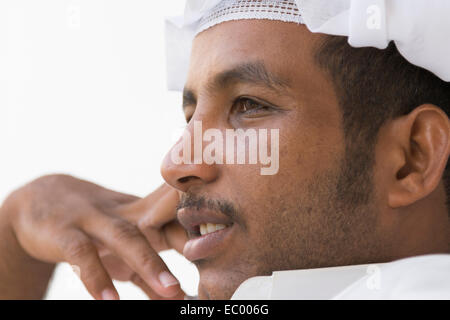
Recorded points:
(124, 198)
(136, 210)
(101, 249)
(175, 236)
(149, 291)
(160, 191)
(160, 212)
(78, 250)
(102, 192)
(152, 295)
(116, 268)
(130, 245)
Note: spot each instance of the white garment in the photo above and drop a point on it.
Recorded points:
(419, 28)
(422, 277)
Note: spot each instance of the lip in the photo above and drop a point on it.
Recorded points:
(191, 219)
(201, 247)
(207, 245)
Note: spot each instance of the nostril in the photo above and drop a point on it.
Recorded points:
(186, 179)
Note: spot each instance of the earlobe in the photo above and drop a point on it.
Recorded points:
(425, 142)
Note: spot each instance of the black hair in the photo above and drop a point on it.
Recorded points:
(376, 85)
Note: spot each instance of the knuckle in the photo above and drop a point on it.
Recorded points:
(79, 248)
(145, 258)
(154, 235)
(151, 262)
(150, 221)
(143, 224)
(157, 239)
(90, 275)
(136, 279)
(123, 230)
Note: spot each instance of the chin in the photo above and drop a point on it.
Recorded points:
(215, 292)
(220, 284)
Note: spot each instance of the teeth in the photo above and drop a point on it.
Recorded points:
(210, 227)
(203, 229)
(220, 226)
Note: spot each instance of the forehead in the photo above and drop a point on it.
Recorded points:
(286, 50)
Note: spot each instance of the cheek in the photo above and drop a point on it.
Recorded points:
(304, 152)
(304, 155)
(309, 148)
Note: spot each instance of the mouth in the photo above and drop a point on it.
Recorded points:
(208, 232)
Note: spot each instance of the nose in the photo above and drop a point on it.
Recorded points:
(192, 170)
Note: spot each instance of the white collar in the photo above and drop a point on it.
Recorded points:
(320, 283)
(418, 277)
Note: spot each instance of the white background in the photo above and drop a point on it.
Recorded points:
(83, 92)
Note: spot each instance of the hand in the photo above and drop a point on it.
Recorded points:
(155, 216)
(104, 233)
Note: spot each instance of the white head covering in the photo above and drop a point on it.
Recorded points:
(419, 28)
(227, 10)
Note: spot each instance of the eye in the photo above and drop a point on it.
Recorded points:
(250, 107)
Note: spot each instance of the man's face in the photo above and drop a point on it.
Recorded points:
(261, 74)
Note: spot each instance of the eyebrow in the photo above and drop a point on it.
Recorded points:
(250, 72)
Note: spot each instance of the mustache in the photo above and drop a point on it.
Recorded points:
(192, 201)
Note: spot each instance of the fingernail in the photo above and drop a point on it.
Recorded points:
(167, 280)
(109, 294)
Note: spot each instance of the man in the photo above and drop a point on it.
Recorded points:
(364, 140)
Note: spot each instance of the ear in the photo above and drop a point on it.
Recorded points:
(420, 150)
